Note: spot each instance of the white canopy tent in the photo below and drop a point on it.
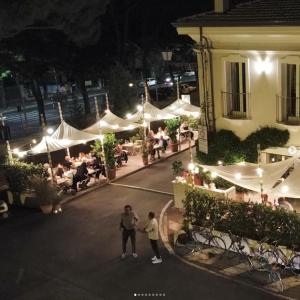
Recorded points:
(67, 132)
(63, 137)
(151, 113)
(253, 176)
(182, 108)
(290, 187)
(110, 123)
(53, 145)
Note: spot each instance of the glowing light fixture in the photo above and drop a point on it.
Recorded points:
(34, 141)
(220, 163)
(214, 174)
(130, 84)
(139, 108)
(50, 130)
(263, 66)
(238, 176)
(292, 150)
(285, 189)
(129, 116)
(259, 172)
(16, 151)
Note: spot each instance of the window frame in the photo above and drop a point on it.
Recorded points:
(244, 83)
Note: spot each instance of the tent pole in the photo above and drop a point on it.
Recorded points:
(100, 133)
(107, 101)
(47, 146)
(61, 120)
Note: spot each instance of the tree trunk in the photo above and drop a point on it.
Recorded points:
(39, 99)
(2, 94)
(85, 96)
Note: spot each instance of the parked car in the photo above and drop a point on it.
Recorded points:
(187, 89)
(150, 82)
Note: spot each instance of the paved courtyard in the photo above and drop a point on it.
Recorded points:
(76, 255)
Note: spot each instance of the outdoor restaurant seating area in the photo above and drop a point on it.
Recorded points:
(97, 153)
(74, 174)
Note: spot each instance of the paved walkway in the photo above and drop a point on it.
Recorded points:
(76, 255)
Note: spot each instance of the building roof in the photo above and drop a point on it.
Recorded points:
(252, 13)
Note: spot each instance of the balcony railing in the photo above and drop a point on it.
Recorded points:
(288, 110)
(236, 105)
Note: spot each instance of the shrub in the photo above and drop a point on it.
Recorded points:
(172, 126)
(227, 147)
(266, 137)
(254, 221)
(109, 150)
(19, 174)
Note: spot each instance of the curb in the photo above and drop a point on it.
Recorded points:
(167, 245)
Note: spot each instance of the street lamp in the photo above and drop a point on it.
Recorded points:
(167, 57)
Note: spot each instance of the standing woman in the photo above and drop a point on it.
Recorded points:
(152, 230)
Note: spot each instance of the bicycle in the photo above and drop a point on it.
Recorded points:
(237, 249)
(202, 239)
(289, 262)
(264, 260)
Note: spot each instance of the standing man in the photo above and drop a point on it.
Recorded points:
(128, 223)
(152, 230)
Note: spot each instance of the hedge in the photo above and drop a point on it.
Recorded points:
(227, 147)
(249, 220)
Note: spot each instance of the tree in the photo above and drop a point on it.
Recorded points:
(79, 20)
(120, 94)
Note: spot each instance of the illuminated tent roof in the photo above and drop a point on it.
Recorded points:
(290, 186)
(152, 113)
(63, 137)
(247, 175)
(182, 108)
(65, 131)
(53, 145)
(110, 123)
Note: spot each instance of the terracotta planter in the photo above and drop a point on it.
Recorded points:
(174, 147)
(112, 173)
(46, 209)
(145, 161)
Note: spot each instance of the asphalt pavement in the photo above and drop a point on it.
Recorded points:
(76, 255)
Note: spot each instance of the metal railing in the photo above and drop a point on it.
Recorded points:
(236, 105)
(288, 110)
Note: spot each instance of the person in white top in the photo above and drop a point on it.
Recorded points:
(152, 230)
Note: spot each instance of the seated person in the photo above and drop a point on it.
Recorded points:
(81, 175)
(99, 166)
(67, 162)
(283, 203)
(68, 176)
(185, 130)
(122, 154)
(46, 173)
(59, 171)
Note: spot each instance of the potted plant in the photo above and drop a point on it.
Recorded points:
(109, 152)
(18, 176)
(145, 153)
(46, 197)
(172, 127)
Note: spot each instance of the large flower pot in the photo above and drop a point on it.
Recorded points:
(46, 209)
(145, 161)
(111, 173)
(174, 147)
